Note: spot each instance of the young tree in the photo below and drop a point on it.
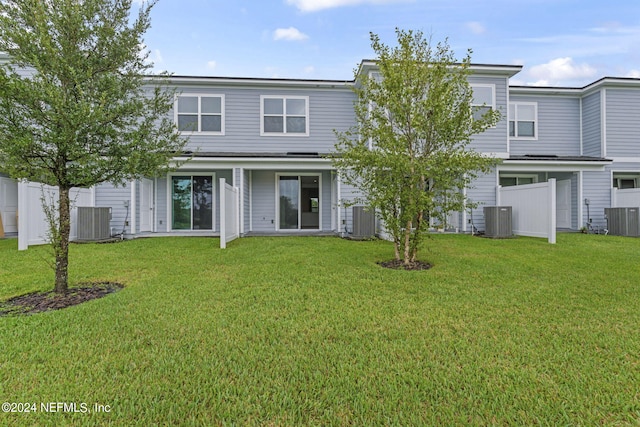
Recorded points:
(408, 152)
(76, 108)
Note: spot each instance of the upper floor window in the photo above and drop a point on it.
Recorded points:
(284, 115)
(200, 113)
(484, 99)
(523, 120)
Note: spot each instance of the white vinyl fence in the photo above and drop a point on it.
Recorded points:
(629, 198)
(533, 207)
(33, 227)
(229, 208)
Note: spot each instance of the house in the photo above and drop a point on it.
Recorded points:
(269, 139)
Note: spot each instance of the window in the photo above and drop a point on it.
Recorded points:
(299, 201)
(483, 100)
(200, 113)
(626, 180)
(191, 202)
(285, 115)
(509, 180)
(523, 119)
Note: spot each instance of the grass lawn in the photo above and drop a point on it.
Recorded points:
(310, 331)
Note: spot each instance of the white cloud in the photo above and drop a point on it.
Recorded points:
(558, 71)
(156, 56)
(608, 39)
(316, 5)
(211, 65)
(291, 34)
(634, 74)
(309, 69)
(152, 56)
(476, 27)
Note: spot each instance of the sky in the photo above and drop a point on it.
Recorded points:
(567, 43)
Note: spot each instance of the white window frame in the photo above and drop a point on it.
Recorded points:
(284, 99)
(214, 189)
(200, 96)
(534, 177)
(515, 120)
(493, 95)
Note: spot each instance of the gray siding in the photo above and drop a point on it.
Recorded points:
(493, 140)
(558, 127)
(348, 194)
(264, 200)
(329, 109)
(623, 122)
(596, 188)
(623, 167)
(483, 192)
(325, 199)
(575, 202)
(113, 197)
(161, 204)
(246, 202)
(591, 125)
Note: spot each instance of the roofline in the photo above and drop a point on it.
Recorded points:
(256, 81)
(604, 81)
(517, 89)
(496, 69)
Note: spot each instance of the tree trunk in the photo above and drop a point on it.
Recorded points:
(396, 248)
(61, 243)
(407, 243)
(417, 237)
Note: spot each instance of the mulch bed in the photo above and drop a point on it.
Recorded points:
(38, 302)
(399, 265)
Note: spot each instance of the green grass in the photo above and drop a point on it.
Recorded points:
(310, 331)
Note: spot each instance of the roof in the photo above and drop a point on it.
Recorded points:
(255, 81)
(493, 69)
(556, 158)
(558, 90)
(226, 154)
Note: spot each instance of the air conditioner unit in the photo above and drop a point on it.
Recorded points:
(498, 222)
(94, 223)
(623, 221)
(364, 223)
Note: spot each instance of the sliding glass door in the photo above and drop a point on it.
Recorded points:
(192, 202)
(289, 203)
(299, 202)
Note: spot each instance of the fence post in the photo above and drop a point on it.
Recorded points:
(552, 210)
(23, 211)
(223, 214)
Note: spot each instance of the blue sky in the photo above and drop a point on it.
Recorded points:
(559, 42)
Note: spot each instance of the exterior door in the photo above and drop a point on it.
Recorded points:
(9, 204)
(289, 189)
(298, 202)
(146, 205)
(192, 202)
(563, 204)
